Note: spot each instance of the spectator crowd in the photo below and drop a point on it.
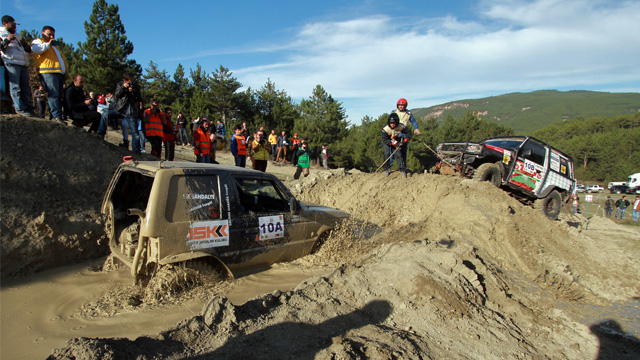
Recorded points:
(68, 101)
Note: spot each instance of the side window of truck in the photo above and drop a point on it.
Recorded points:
(193, 198)
(260, 196)
(537, 152)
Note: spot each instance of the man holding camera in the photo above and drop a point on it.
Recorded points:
(261, 151)
(14, 49)
(154, 128)
(129, 105)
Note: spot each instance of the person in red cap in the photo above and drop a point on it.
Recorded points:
(405, 117)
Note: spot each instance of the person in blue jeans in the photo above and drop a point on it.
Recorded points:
(14, 49)
(622, 205)
(129, 105)
(636, 209)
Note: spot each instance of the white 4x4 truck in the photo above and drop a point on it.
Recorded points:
(530, 170)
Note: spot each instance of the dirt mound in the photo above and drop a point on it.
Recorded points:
(53, 179)
(515, 237)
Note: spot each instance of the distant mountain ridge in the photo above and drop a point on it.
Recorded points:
(527, 112)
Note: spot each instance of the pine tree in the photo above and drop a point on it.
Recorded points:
(105, 51)
(223, 96)
(183, 90)
(158, 85)
(274, 108)
(323, 119)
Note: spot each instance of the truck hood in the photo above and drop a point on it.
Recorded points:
(323, 211)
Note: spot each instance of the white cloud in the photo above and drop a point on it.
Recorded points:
(512, 46)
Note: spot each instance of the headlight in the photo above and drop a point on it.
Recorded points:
(474, 148)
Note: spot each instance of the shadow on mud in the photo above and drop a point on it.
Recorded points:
(614, 342)
(296, 339)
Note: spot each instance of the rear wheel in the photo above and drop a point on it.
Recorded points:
(488, 172)
(206, 267)
(550, 205)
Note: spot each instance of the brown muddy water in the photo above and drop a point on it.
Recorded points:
(43, 311)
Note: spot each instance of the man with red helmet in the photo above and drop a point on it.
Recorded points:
(405, 117)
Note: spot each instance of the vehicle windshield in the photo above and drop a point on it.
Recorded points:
(505, 143)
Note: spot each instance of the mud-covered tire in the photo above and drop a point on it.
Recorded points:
(206, 268)
(488, 172)
(550, 206)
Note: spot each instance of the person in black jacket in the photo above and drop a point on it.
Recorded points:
(622, 205)
(78, 105)
(129, 105)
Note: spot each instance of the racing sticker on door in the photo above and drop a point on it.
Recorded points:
(271, 227)
(527, 174)
(208, 234)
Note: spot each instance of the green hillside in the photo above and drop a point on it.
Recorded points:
(527, 112)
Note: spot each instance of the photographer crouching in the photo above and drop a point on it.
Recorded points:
(261, 150)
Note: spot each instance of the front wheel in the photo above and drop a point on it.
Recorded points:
(488, 172)
(550, 205)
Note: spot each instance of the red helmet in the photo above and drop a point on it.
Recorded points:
(402, 101)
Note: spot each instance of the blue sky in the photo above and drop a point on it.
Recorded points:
(367, 54)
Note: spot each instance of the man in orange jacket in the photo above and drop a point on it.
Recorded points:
(202, 142)
(239, 147)
(153, 127)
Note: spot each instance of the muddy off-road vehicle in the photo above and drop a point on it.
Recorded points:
(221, 218)
(532, 171)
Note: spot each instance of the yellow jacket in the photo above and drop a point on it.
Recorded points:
(48, 58)
(273, 139)
(260, 152)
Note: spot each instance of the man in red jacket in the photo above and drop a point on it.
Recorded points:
(169, 137)
(202, 142)
(153, 126)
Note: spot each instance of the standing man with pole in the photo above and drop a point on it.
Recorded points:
(394, 135)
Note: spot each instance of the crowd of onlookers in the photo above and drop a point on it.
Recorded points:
(125, 109)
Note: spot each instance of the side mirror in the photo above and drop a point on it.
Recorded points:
(294, 206)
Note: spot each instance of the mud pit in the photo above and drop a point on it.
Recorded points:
(430, 267)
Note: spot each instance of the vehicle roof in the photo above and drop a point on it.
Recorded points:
(154, 166)
(515, 137)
